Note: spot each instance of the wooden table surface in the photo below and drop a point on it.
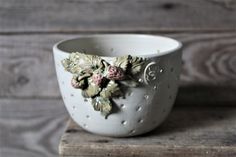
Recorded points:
(32, 115)
(188, 132)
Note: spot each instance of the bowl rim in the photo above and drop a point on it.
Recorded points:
(178, 47)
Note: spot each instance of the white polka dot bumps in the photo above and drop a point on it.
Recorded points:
(143, 99)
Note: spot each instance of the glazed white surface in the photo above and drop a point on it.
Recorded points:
(144, 107)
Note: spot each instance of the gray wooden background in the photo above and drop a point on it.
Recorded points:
(32, 115)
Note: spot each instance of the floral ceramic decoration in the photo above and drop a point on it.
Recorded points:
(100, 80)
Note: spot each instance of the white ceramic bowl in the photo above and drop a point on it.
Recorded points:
(144, 107)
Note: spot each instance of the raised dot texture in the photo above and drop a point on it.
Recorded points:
(140, 121)
(122, 106)
(132, 131)
(124, 122)
(155, 87)
(161, 70)
(140, 80)
(139, 108)
(146, 97)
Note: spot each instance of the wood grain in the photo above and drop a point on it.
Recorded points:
(209, 67)
(189, 131)
(116, 15)
(31, 127)
(27, 68)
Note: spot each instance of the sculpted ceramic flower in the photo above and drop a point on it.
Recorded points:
(115, 73)
(97, 79)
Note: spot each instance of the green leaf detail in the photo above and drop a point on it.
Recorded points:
(80, 62)
(122, 62)
(70, 66)
(112, 89)
(103, 105)
(136, 64)
(89, 60)
(91, 91)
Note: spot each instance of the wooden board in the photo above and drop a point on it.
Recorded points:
(209, 67)
(116, 15)
(189, 131)
(31, 127)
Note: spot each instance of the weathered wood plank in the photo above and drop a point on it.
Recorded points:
(189, 131)
(209, 69)
(116, 15)
(31, 128)
(26, 66)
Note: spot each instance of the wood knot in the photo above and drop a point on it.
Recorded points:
(22, 80)
(168, 6)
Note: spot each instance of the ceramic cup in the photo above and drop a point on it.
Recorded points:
(144, 107)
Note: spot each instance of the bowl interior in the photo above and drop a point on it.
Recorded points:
(120, 45)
